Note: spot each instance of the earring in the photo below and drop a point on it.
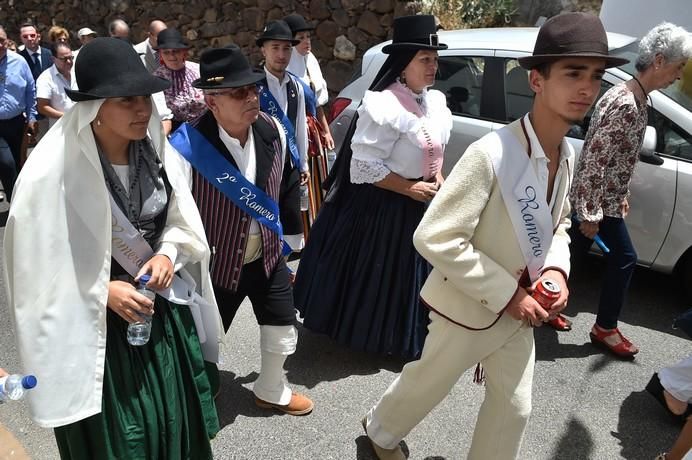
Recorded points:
(98, 122)
(402, 78)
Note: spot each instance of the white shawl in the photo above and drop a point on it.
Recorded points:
(57, 264)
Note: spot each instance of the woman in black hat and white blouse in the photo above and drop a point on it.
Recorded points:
(72, 301)
(359, 278)
(185, 101)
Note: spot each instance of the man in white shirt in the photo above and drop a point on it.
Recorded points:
(283, 97)
(147, 48)
(50, 85)
(236, 144)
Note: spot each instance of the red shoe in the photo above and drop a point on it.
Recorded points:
(613, 341)
(560, 323)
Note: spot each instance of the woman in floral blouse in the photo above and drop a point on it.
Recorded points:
(186, 102)
(601, 181)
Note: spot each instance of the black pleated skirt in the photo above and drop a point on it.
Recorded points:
(359, 277)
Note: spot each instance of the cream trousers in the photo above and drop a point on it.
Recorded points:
(506, 351)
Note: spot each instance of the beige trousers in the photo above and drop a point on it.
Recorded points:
(506, 351)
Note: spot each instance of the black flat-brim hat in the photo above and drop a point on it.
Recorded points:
(571, 35)
(225, 68)
(276, 30)
(108, 67)
(414, 33)
(297, 23)
(170, 39)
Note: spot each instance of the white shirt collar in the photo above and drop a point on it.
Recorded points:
(536, 148)
(271, 78)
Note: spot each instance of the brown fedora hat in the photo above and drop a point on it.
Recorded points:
(571, 35)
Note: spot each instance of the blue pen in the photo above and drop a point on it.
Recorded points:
(597, 239)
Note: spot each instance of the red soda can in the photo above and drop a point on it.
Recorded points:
(546, 292)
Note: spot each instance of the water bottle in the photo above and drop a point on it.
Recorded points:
(13, 387)
(304, 197)
(138, 333)
(331, 158)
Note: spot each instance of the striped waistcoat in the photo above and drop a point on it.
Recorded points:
(227, 226)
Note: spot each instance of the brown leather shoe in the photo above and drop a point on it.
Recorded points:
(381, 452)
(299, 405)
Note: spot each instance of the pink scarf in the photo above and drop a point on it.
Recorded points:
(433, 151)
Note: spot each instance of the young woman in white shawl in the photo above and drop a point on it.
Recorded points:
(70, 300)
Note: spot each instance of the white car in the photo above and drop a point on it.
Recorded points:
(486, 89)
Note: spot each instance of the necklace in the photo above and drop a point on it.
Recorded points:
(643, 90)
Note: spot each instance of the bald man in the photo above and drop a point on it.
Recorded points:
(147, 48)
(118, 28)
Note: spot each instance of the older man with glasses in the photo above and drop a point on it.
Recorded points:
(50, 86)
(236, 155)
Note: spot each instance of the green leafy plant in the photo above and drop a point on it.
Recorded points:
(462, 14)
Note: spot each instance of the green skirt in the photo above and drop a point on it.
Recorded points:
(157, 399)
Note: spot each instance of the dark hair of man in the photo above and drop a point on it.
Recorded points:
(57, 45)
(544, 69)
(28, 24)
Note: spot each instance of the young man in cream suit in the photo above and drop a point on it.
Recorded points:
(497, 227)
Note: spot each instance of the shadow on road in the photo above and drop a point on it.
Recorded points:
(320, 359)
(234, 399)
(576, 443)
(644, 429)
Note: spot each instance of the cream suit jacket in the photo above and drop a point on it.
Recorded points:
(467, 236)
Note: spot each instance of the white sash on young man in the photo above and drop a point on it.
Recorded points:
(525, 199)
(131, 251)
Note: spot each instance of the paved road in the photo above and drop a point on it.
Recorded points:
(586, 405)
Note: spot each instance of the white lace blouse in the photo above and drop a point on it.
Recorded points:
(385, 139)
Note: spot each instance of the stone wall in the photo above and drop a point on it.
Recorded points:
(344, 28)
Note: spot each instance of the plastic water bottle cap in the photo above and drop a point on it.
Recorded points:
(144, 279)
(29, 382)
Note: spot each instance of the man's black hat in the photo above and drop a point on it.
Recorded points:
(571, 35)
(170, 39)
(414, 33)
(297, 23)
(276, 30)
(108, 67)
(225, 68)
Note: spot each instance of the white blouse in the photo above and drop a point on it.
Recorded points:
(308, 69)
(386, 136)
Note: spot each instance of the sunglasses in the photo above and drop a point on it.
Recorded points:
(29, 36)
(66, 58)
(238, 93)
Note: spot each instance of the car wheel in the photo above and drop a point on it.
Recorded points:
(685, 274)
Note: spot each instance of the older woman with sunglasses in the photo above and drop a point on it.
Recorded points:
(185, 101)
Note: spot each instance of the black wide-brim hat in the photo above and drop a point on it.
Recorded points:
(571, 35)
(108, 67)
(170, 39)
(225, 68)
(276, 30)
(297, 23)
(414, 33)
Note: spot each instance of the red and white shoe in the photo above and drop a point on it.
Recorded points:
(613, 341)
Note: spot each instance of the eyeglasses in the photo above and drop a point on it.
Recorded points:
(238, 93)
(66, 58)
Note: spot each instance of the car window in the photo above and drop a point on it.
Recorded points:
(519, 97)
(460, 78)
(671, 139)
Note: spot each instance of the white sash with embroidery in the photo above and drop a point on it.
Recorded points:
(132, 251)
(525, 199)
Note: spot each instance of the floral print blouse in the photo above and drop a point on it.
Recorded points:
(186, 102)
(610, 153)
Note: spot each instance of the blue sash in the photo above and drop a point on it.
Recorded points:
(310, 98)
(211, 164)
(269, 105)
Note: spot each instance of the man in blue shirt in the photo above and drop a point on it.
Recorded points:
(17, 110)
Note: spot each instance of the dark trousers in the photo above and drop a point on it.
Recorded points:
(621, 262)
(291, 219)
(12, 132)
(272, 298)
